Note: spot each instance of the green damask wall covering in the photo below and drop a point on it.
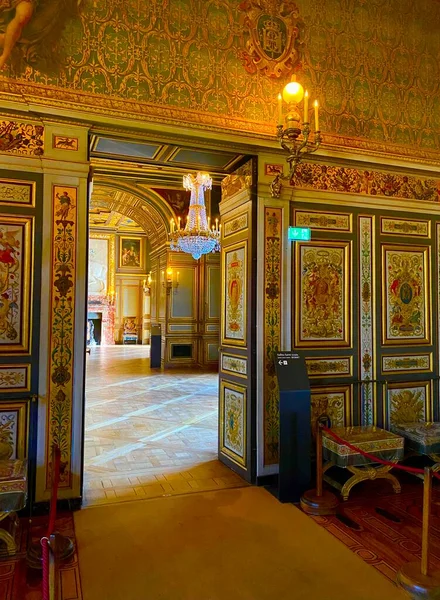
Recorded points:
(373, 64)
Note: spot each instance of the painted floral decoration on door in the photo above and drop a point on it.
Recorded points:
(322, 294)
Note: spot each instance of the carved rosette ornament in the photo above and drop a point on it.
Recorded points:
(273, 33)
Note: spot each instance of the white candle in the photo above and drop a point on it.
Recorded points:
(306, 107)
(216, 224)
(316, 116)
(177, 276)
(178, 222)
(280, 109)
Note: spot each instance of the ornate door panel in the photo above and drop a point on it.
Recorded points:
(237, 405)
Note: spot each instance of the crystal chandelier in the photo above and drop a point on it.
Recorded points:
(197, 238)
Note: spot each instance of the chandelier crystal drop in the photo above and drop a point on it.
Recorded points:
(197, 237)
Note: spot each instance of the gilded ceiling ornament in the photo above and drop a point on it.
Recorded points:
(273, 32)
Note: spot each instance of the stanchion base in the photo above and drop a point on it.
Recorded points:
(65, 549)
(319, 505)
(426, 587)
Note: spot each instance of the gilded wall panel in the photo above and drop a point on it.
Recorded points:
(234, 280)
(233, 422)
(234, 364)
(15, 378)
(272, 328)
(408, 403)
(17, 193)
(16, 275)
(323, 220)
(334, 402)
(14, 424)
(405, 227)
(407, 363)
(62, 319)
(406, 301)
(322, 290)
(341, 366)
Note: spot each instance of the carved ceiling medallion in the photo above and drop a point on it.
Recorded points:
(273, 32)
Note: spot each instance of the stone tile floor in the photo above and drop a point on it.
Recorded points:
(149, 433)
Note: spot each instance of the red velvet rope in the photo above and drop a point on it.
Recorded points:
(373, 458)
(52, 517)
(54, 492)
(45, 546)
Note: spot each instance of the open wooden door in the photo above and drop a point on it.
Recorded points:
(237, 391)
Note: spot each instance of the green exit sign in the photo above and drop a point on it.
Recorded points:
(300, 233)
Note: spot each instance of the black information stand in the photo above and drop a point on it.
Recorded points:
(156, 346)
(295, 442)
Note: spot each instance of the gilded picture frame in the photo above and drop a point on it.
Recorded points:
(14, 426)
(15, 378)
(17, 192)
(406, 310)
(233, 415)
(402, 364)
(97, 277)
(131, 253)
(322, 295)
(234, 295)
(16, 278)
(407, 402)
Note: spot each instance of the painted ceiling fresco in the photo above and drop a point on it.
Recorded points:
(373, 64)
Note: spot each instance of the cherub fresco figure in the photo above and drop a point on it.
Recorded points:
(31, 22)
(24, 9)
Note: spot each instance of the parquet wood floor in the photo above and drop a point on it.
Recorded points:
(148, 432)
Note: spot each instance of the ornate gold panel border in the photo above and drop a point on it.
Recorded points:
(233, 398)
(406, 303)
(407, 363)
(62, 328)
(407, 402)
(233, 364)
(16, 192)
(234, 294)
(15, 378)
(322, 294)
(14, 420)
(335, 402)
(324, 366)
(405, 227)
(236, 224)
(16, 283)
(328, 221)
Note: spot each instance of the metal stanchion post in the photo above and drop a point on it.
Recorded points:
(415, 578)
(319, 501)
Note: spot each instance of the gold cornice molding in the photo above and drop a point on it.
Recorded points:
(35, 102)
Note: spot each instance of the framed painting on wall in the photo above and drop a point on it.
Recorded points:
(235, 295)
(16, 241)
(131, 253)
(322, 297)
(405, 295)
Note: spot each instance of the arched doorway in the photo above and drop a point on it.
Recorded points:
(150, 432)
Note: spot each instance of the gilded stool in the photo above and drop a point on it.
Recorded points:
(13, 497)
(378, 442)
(422, 438)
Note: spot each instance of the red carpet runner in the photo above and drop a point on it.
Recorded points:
(384, 528)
